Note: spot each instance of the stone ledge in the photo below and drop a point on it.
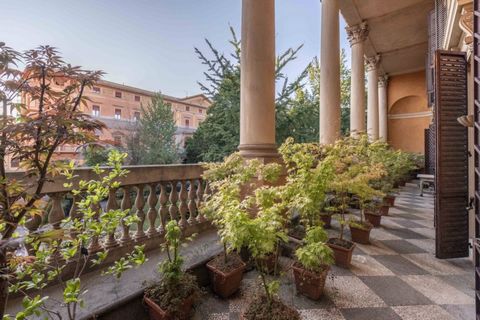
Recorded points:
(106, 293)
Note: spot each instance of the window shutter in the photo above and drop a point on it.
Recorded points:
(451, 170)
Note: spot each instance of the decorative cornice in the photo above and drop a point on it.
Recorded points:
(466, 24)
(372, 62)
(422, 114)
(383, 81)
(357, 33)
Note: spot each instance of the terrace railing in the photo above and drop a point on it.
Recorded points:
(155, 194)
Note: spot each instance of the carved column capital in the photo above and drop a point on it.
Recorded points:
(372, 62)
(357, 33)
(466, 24)
(383, 81)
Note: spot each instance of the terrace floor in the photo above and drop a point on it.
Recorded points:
(396, 277)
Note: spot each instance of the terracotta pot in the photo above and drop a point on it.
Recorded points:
(327, 220)
(389, 200)
(373, 218)
(383, 210)
(309, 283)
(225, 284)
(268, 263)
(361, 235)
(157, 313)
(343, 255)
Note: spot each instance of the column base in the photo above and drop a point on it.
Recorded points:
(268, 152)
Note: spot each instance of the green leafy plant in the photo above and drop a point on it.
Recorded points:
(309, 175)
(314, 254)
(68, 244)
(176, 285)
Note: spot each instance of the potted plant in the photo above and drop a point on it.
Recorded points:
(373, 214)
(230, 181)
(313, 263)
(263, 232)
(173, 297)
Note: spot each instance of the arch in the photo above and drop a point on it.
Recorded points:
(409, 104)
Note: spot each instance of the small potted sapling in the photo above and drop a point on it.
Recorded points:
(173, 297)
(360, 228)
(314, 258)
(225, 207)
(263, 231)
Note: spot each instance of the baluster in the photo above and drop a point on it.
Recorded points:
(152, 212)
(126, 205)
(32, 225)
(55, 217)
(163, 209)
(111, 205)
(95, 244)
(192, 207)
(139, 204)
(173, 209)
(183, 205)
(200, 216)
(74, 213)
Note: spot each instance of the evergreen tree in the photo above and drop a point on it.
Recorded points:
(219, 135)
(153, 140)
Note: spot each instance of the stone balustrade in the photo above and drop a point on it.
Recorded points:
(155, 194)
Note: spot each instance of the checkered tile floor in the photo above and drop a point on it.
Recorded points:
(396, 277)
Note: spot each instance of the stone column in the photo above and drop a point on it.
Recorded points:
(330, 79)
(357, 36)
(372, 108)
(257, 101)
(383, 108)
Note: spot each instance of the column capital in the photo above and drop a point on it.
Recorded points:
(357, 33)
(383, 81)
(372, 62)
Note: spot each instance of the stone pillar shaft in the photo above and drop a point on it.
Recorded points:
(330, 79)
(357, 36)
(372, 107)
(383, 108)
(257, 102)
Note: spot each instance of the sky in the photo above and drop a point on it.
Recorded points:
(150, 43)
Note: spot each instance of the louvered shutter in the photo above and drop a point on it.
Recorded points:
(451, 170)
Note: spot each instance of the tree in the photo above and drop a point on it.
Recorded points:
(33, 138)
(94, 154)
(219, 135)
(153, 140)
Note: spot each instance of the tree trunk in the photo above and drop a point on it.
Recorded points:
(3, 283)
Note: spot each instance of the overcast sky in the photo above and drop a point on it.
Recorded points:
(150, 43)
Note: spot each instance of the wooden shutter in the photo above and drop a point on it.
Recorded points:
(476, 68)
(451, 170)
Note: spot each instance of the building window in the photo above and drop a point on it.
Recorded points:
(118, 114)
(96, 111)
(200, 111)
(118, 94)
(14, 163)
(187, 108)
(187, 123)
(136, 116)
(96, 89)
(117, 140)
(137, 98)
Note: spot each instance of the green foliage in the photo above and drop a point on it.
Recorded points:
(55, 249)
(94, 154)
(308, 179)
(314, 254)
(171, 269)
(247, 209)
(153, 140)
